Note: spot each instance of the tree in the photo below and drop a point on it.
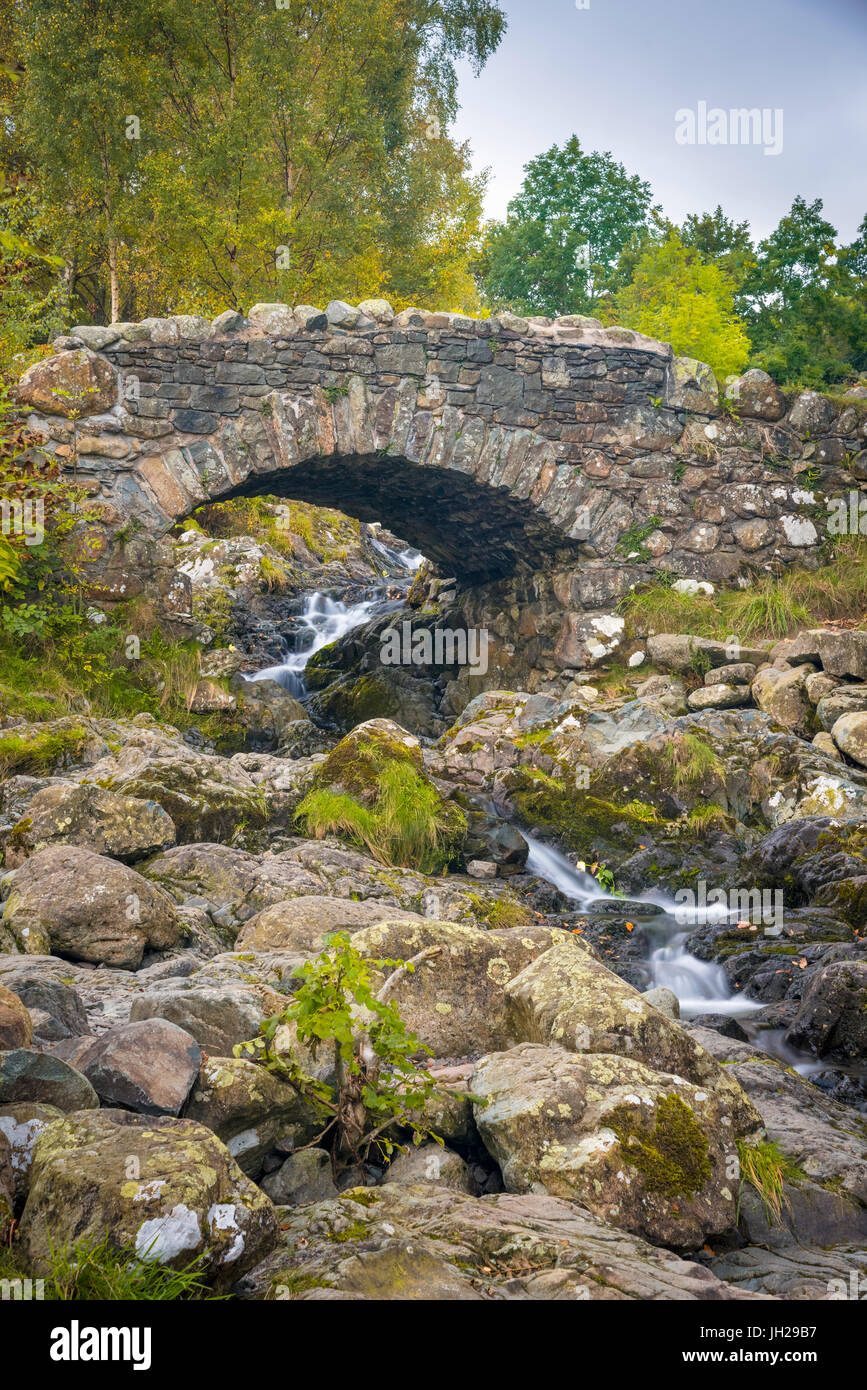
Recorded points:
(806, 296)
(721, 242)
(679, 298)
(206, 156)
(557, 252)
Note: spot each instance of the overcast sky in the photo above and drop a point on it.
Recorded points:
(616, 73)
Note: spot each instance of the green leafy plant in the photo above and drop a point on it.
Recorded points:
(768, 1170)
(100, 1271)
(380, 1084)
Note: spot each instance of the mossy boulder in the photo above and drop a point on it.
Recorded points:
(373, 791)
(457, 1000)
(165, 1186)
(645, 1151)
(207, 797)
(249, 1108)
(567, 999)
(70, 813)
(302, 924)
(69, 901)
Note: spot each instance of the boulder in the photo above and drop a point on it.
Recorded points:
(645, 1151)
(301, 924)
(456, 1001)
(844, 653)
(849, 733)
(22, 1122)
(16, 1028)
(782, 694)
(567, 999)
(70, 901)
(249, 1108)
(845, 699)
(304, 1177)
(832, 1017)
(122, 827)
(218, 1015)
(424, 1242)
(72, 384)
(682, 652)
(38, 1076)
(166, 1187)
(7, 1189)
(148, 1067)
(719, 697)
(56, 1007)
(431, 1162)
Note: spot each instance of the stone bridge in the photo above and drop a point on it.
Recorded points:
(499, 447)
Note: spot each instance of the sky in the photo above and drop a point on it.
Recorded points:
(616, 73)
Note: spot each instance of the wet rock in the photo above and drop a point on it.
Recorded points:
(832, 1018)
(148, 1066)
(69, 900)
(188, 1197)
(26, 1075)
(304, 1177)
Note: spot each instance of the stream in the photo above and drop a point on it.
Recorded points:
(701, 986)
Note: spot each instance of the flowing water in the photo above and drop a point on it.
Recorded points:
(701, 986)
(324, 620)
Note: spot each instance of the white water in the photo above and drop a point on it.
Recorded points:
(326, 620)
(408, 560)
(323, 620)
(701, 987)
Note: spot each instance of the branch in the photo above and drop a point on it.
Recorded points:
(405, 969)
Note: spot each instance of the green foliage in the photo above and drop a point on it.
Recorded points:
(535, 262)
(39, 752)
(88, 1271)
(676, 296)
(281, 153)
(807, 300)
(380, 1083)
(408, 824)
(691, 760)
(773, 607)
(768, 1170)
(631, 543)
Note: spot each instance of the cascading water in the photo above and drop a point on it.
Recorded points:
(325, 620)
(701, 987)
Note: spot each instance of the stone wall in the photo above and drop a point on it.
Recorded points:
(538, 460)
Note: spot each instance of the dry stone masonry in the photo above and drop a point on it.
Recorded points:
(558, 461)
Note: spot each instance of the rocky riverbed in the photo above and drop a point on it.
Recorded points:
(650, 963)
